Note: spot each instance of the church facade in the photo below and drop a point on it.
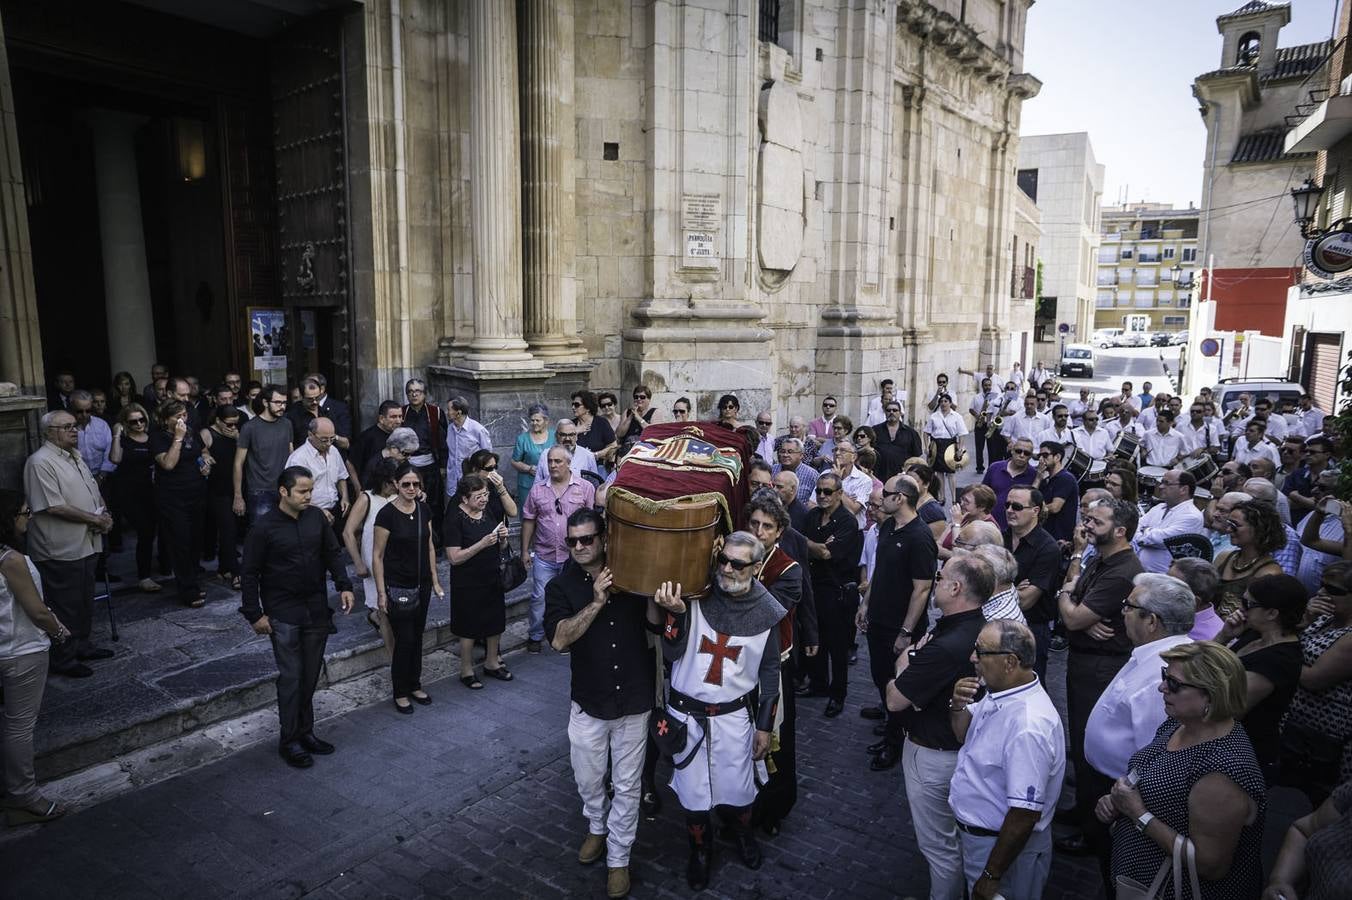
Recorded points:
(774, 199)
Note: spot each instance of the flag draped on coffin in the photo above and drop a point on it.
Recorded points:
(687, 460)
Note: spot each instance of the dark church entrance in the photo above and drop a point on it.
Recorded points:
(184, 164)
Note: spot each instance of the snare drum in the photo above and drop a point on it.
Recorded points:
(1079, 463)
(1098, 470)
(1202, 468)
(1148, 478)
(1127, 446)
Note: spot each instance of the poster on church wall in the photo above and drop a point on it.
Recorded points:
(268, 339)
(700, 220)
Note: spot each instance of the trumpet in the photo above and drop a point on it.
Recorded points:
(997, 422)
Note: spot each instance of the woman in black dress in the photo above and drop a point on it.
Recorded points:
(122, 395)
(472, 538)
(484, 463)
(220, 441)
(1263, 633)
(182, 467)
(404, 561)
(133, 488)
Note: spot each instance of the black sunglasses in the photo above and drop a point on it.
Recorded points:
(136, 420)
(586, 540)
(979, 652)
(1022, 452)
(492, 468)
(1173, 685)
(1017, 507)
(738, 564)
(825, 492)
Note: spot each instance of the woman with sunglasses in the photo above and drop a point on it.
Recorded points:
(975, 503)
(404, 565)
(593, 432)
(1264, 634)
(472, 538)
(133, 488)
(1316, 742)
(484, 463)
(1198, 778)
(1256, 533)
(27, 628)
(378, 488)
(220, 440)
(930, 510)
(841, 428)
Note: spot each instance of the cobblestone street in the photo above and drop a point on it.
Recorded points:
(472, 796)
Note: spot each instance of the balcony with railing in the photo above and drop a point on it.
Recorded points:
(1323, 117)
(1145, 257)
(1107, 277)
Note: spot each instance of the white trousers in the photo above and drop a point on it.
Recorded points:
(1025, 877)
(621, 742)
(928, 773)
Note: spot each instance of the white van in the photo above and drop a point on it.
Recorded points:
(1077, 361)
(1104, 338)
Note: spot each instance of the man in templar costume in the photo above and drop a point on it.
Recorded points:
(724, 652)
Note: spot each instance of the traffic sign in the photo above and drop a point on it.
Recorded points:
(1210, 347)
(1064, 328)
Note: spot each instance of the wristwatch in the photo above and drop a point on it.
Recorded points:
(1142, 822)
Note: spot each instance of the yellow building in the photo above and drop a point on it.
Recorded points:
(1147, 267)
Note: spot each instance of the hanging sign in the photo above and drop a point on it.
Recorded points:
(1329, 255)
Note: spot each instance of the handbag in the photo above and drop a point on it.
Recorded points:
(511, 570)
(1131, 889)
(1309, 754)
(402, 602)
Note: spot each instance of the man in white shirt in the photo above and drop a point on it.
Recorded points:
(1253, 445)
(940, 390)
(985, 406)
(1163, 445)
(1203, 436)
(464, 437)
(1158, 615)
(1027, 425)
(1148, 413)
(1311, 418)
(565, 435)
(1174, 515)
(856, 486)
(820, 427)
(1276, 425)
(1016, 375)
(94, 437)
(1092, 439)
(321, 457)
(1078, 407)
(1060, 430)
(765, 427)
(1010, 767)
(877, 408)
(1126, 399)
(1040, 374)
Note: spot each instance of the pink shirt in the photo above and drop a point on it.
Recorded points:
(1206, 625)
(550, 513)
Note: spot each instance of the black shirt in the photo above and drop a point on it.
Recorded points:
(284, 564)
(805, 620)
(907, 441)
(1103, 586)
(137, 470)
(221, 481)
(929, 678)
(366, 447)
(798, 513)
(1061, 525)
(186, 476)
(614, 669)
(406, 562)
(1039, 559)
(846, 543)
(598, 436)
(904, 554)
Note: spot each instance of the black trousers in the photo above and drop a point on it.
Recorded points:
(180, 514)
(1087, 676)
(299, 651)
(406, 658)
(979, 439)
(882, 665)
(68, 591)
(780, 793)
(222, 516)
(835, 625)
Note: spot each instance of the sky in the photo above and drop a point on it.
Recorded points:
(1123, 72)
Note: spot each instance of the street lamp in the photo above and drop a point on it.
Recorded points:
(1305, 199)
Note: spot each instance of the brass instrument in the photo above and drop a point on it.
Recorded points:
(998, 422)
(956, 457)
(983, 419)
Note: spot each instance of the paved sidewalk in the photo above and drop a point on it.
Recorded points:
(472, 794)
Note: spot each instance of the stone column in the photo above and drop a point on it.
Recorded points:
(20, 341)
(495, 190)
(547, 207)
(126, 279)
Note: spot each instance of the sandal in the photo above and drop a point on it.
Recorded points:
(501, 673)
(29, 816)
(472, 682)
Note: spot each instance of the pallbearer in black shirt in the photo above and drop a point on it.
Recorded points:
(283, 595)
(613, 692)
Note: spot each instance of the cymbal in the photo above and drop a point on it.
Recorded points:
(953, 460)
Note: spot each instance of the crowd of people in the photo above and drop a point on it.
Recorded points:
(1196, 575)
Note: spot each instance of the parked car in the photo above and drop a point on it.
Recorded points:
(1134, 339)
(1276, 389)
(1178, 339)
(1103, 338)
(1161, 339)
(1077, 360)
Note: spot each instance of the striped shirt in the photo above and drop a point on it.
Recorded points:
(1004, 605)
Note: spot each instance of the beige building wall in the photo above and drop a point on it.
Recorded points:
(777, 219)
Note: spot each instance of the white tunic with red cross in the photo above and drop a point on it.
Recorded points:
(718, 668)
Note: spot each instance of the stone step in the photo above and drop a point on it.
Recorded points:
(181, 670)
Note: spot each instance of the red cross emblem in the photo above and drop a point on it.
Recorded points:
(720, 651)
(671, 630)
(662, 727)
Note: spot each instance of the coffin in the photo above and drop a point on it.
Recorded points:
(647, 544)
